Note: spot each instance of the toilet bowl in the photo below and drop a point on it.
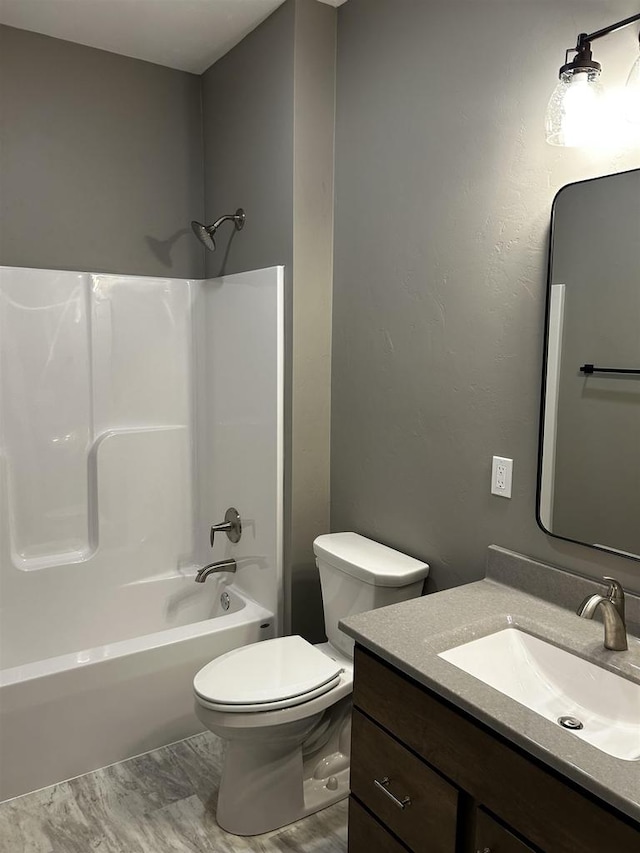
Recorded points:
(289, 757)
(283, 706)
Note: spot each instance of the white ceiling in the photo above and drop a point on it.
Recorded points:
(185, 34)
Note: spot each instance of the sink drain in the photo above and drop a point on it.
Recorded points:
(570, 723)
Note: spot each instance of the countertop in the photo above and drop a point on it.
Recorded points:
(412, 634)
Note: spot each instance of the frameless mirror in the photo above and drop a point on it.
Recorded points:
(589, 455)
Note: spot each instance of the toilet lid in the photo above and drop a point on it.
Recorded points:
(263, 676)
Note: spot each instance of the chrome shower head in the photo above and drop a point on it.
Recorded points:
(205, 233)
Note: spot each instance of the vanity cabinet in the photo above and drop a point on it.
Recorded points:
(427, 778)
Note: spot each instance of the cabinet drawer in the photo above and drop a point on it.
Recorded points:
(492, 837)
(367, 836)
(408, 797)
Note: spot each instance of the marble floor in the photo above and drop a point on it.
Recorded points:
(161, 802)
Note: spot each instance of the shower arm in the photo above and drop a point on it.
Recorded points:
(238, 218)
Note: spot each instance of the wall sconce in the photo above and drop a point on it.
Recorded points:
(573, 115)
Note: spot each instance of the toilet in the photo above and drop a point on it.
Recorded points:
(283, 706)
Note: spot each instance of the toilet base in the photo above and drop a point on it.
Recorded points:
(266, 814)
(299, 770)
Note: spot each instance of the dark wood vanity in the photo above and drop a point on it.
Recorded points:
(427, 778)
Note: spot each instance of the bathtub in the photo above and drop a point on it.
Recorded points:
(66, 715)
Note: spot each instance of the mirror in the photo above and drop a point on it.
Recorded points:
(589, 454)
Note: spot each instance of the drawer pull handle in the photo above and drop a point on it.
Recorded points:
(383, 785)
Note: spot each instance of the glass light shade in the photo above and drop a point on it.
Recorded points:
(632, 93)
(573, 112)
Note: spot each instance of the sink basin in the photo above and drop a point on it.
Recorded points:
(557, 684)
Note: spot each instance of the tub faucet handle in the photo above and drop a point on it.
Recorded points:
(232, 526)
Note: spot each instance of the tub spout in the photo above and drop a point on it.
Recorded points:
(220, 566)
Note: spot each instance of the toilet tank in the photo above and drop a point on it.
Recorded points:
(358, 574)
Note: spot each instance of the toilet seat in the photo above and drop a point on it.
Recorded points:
(266, 676)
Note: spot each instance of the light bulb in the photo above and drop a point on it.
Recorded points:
(573, 112)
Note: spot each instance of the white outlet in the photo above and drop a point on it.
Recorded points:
(501, 476)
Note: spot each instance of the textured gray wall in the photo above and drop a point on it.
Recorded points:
(101, 160)
(444, 185)
(248, 147)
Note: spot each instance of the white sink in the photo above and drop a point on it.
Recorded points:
(556, 683)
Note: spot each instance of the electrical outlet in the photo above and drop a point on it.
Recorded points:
(501, 476)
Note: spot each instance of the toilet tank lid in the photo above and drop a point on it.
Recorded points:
(368, 561)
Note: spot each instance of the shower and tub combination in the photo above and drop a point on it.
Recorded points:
(134, 413)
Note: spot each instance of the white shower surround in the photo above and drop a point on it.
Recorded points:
(133, 412)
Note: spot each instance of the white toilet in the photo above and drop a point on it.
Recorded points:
(283, 706)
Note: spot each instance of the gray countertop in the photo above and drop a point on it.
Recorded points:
(522, 593)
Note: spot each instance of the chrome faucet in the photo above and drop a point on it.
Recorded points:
(612, 604)
(220, 566)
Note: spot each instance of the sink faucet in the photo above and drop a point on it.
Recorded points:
(612, 604)
(220, 566)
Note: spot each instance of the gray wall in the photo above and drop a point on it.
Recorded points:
(444, 185)
(268, 110)
(314, 118)
(101, 160)
(248, 147)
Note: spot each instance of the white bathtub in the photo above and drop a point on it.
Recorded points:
(67, 715)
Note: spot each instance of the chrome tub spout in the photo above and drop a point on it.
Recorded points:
(220, 566)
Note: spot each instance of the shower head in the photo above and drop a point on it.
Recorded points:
(205, 233)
